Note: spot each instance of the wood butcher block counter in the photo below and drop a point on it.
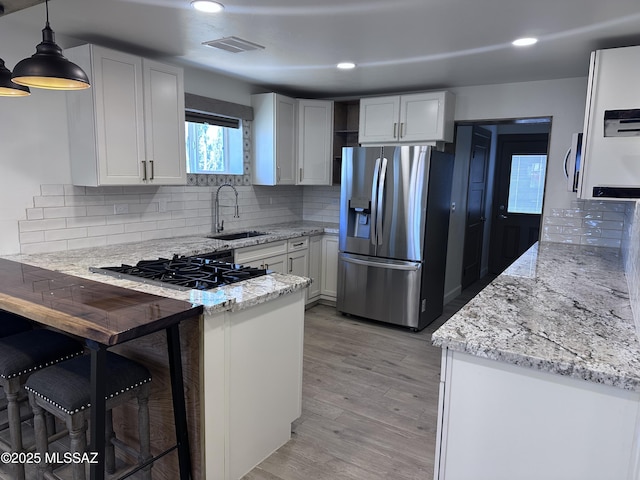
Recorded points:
(106, 314)
(242, 359)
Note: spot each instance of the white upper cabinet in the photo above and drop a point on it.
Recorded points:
(315, 142)
(128, 128)
(274, 141)
(611, 138)
(415, 118)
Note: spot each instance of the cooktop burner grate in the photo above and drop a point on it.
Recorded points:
(196, 272)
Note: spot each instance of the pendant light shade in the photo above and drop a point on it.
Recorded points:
(48, 68)
(9, 88)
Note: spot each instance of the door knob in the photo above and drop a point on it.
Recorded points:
(502, 216)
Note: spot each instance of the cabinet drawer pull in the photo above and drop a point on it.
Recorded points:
(144, 170)
(152, 172)
(298, 244)
(395, 129)
(290, 265)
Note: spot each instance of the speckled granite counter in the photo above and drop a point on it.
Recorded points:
(232, 297)
(560, 308)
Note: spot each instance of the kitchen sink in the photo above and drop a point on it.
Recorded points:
(237, 235)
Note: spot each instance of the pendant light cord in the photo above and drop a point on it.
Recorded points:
(46, 6)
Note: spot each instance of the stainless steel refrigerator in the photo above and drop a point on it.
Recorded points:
(394, 223)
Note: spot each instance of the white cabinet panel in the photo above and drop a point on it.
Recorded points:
(274, 142)
(315, 267)
(128, 128)
(611, 156)
(415, 118)
(329, 274)
(164, 110)
(502, 422)
(315, 142)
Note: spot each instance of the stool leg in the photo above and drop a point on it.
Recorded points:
(77, 426)
(144, 430)
(12, 389)
(42, 441)
(109, 450)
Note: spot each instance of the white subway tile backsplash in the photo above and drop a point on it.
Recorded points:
(64, 212)
(35, 213)
(52, 190)
(64, 234)
(52, 201)
(586, 222)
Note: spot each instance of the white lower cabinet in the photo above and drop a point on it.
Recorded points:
(252, 383)
(500, 421)
(271, 256)
(315, 267)
(329, 275)
(314, 257)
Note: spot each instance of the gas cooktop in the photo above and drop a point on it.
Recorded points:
(197, 272)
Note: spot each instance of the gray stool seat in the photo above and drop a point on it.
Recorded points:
(20, 355)
(10, 324)
(64, 390)
(67, 385)
(30, 351)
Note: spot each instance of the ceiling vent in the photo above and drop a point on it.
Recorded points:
(233, 44)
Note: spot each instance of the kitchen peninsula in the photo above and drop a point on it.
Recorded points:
(242, 358)
(541, 373)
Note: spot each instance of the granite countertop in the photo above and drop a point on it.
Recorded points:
(559, 308)
(231, 297)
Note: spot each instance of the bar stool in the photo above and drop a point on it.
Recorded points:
(21, 355)
(64, 390)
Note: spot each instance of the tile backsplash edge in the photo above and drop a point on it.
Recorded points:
(631, 256)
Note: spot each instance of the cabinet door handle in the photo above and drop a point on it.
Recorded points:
(401, 129)
(144, 170)
(266, 266)
(395, 129)
(278, 175)
(301, 174)
(152, 172)
(290, 265)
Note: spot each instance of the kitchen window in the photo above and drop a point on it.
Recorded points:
(213, 143)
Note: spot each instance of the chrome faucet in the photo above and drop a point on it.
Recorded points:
(218, 225)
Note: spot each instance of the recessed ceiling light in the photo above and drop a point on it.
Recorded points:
(524, 42)
(346, 65)
(207, 6)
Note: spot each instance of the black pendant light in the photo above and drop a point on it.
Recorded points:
(9, 88)
(48, 68)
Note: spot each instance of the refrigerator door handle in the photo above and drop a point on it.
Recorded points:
(374, 202)
(378, 264)
(380, 201)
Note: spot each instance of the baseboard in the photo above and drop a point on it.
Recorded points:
(452, 294)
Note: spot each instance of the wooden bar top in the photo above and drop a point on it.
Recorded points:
(92, 310)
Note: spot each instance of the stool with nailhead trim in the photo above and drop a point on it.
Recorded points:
(10, 324)
(64, 390)
(21, 355)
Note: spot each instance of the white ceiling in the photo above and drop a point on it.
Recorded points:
(398, 45)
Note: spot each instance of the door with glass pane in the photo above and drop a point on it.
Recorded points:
(518, 196)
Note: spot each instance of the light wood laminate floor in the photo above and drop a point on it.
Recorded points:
(369, 406)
